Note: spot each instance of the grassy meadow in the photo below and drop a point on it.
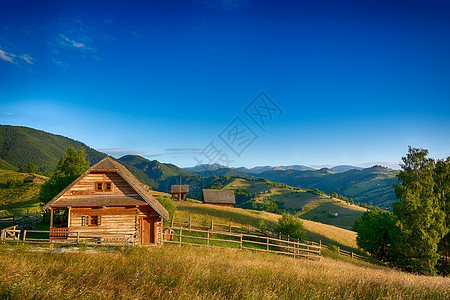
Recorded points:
(189, 272)
(15, 200)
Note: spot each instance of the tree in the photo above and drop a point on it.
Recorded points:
(292, 226)
(421, 218)
(442, 185)
(32, 168)
(71, 165)
(378, 234)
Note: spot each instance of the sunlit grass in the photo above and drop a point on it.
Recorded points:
(173, 272)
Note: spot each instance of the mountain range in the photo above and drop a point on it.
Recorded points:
(22, 145)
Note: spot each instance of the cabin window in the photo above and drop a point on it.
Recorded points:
(104, 186)
(94, 220)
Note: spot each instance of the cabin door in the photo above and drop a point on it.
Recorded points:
(148, 230)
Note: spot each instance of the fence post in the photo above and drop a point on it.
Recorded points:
(248, 228)
(267, 239)
(24, 235)
(212, 225)
(240, 243)
(230, 226)
(173, 218)
(339, 250)
(207, 238)
(78, 237)
(181, 233)
(190, 223)
(352, 254)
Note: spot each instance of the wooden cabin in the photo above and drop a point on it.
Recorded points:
(107, 198)
(218, 197)
(179, 192)
(32, 179)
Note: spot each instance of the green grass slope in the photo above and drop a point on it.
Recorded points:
(16, 199)
(22, 145)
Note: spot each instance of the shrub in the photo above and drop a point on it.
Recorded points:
(168, 204)
(292, 226)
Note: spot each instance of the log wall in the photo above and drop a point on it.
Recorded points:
(86, 185)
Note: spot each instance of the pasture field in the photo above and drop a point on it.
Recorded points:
(192, 272)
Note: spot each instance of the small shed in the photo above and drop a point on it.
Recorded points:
(179, 192)
(108, 199)
(32, 179)
(218, 197)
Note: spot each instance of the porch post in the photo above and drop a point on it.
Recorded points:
(51, 217)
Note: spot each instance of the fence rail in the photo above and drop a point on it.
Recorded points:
(14, 235)
(343, 252)
(27, 221)
(191, 236)
(191, 223)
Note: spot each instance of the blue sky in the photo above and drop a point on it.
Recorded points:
(344, 82)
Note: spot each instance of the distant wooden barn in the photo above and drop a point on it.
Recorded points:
(179, 192)
(218, 197)
(32, 179)
(107, 198)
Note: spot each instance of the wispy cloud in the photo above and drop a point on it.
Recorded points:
(119, 152)
(65, 41)
(184, 149)
(15, 59)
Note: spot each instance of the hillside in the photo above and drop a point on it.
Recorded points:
(159, 175)
(304, 203)
(373, 185)
(22, 145)
(16, 197)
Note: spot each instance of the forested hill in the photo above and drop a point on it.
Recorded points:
(22, 145)
(372, 185)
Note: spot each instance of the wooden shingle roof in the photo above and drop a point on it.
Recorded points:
(218, 196)
(141, 189)
(179, 189)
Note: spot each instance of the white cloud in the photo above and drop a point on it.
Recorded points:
(12, 58)
(27, 58)
(68, 42)
(7, 56)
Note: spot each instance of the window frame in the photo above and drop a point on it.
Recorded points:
(104, 186)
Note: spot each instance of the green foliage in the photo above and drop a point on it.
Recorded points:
(32, 168)
(13, 183)
(378, 234)
(420, 214)
(262, 226)
(292, 226)
(168, 204)
(71, 165)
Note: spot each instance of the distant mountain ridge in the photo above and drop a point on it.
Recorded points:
(212, 168)
(22, 145)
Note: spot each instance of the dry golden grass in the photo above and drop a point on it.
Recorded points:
(328, 234)
(173, 272)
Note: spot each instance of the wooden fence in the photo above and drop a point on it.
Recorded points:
(14, 235)
(191, 223)
(343, 252)
(190, 236)
(27, 221)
